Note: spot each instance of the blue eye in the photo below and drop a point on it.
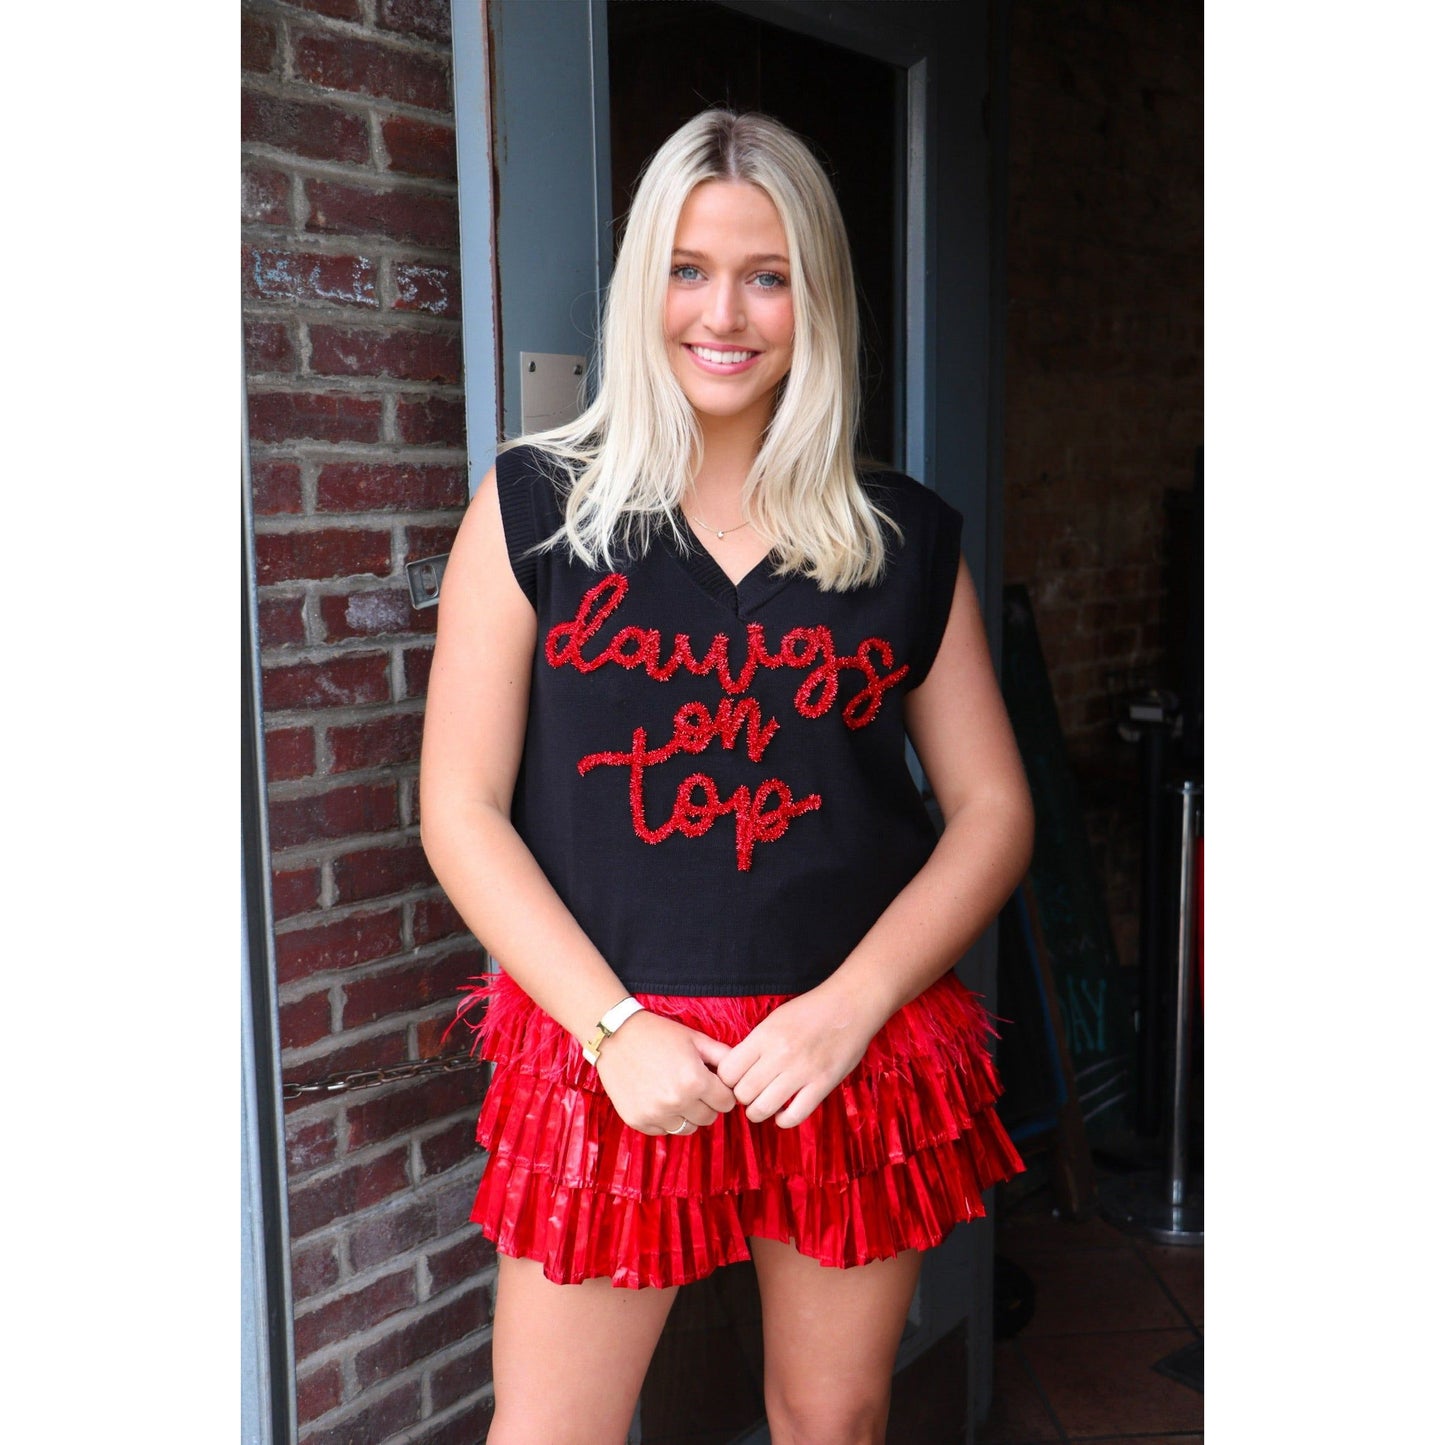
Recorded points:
(678, 272)
(770, 280)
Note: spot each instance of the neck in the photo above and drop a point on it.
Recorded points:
(730, 445)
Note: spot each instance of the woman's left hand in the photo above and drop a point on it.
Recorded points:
(796, 1057)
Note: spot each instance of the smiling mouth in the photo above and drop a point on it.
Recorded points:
(721, 356)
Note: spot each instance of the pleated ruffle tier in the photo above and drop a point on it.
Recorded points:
(901, 1151)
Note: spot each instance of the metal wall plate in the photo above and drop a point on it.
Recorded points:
(425, 580)
(551, 389)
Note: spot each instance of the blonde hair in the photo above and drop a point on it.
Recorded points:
(632, 453)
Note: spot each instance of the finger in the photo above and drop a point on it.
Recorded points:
(803, 1103)
(701, 1114)
(713, 1051)
(715, 1095)
(773, 1098)
(738, 1060)
(753, 1082)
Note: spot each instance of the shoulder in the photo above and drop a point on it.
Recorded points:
(524, 468)
(919, 512)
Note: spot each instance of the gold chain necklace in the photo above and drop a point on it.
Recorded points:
(720, 532)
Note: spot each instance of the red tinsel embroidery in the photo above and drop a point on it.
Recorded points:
(695, 728)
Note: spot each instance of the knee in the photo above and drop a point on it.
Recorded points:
(847, 1417)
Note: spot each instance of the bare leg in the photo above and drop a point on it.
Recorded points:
(829, 1339)
(568, 1360)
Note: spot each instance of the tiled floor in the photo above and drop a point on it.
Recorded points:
(1107, 1308)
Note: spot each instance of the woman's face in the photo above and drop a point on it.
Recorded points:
(729, 313)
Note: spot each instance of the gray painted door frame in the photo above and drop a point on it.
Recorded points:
(534, 280)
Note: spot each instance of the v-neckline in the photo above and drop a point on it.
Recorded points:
(745, 595)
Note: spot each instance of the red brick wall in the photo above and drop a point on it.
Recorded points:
(1104, 370)
(350, 282)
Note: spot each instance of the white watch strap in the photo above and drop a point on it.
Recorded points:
(608, 1025)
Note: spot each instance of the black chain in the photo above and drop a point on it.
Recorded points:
(370, 1078)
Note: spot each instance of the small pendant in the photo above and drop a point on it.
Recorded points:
(720, 536)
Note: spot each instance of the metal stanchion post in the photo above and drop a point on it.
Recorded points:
(1173, 1214)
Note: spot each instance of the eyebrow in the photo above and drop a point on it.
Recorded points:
(769, 257)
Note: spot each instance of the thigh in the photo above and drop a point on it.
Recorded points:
(568, 1359)
(830, 1337)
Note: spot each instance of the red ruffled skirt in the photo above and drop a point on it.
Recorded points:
(901, 1151)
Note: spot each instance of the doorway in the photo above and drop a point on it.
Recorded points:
(894, 100)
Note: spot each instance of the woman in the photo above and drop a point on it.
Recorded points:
(664, 781)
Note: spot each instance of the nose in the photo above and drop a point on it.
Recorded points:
(725, 311)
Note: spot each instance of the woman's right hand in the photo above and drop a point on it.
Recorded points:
(659, 1073)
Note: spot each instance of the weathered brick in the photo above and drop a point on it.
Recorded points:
(374, 614)
(315, 1203)
(414, 1339)
(304, 128)
(418, 148)
(335, 9)
(454, 1381)
(318, 1391)
(364, 67)
(426, 19)
(327, 552)
(281, 621)
(348, 1314)
(430, 541)
(276, 275)
(265, 197)
(398, 353)
(376, 872)
(304, 1021)
(290, 753)
(268, 347)
(455, 1195)
(377, 1420)
(258, 43)
(347, 1054)
(295, 890)
(435, 420)
(441, 1034)
(315, 1268)
(424, 217)
(280, 416)
(403, 1226)
(341, 943)
(275, 488)
(449, 1147)
(311, 1143)
(346, 681)
(408, 988)
(337, 813)
(431, 289)
(381, 743)
(464, 1260)
(434, 918)
(389, 487)
(407, 1106)
(416, 670)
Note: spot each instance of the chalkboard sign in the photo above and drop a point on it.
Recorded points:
(1095, 995)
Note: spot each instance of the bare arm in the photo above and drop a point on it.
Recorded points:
(960, 730)
(654, 1069)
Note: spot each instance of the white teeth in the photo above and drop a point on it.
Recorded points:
(721, 358)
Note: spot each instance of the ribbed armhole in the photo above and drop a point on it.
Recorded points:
(517, 481)
(939, 581)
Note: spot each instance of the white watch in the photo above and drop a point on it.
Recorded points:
(608, 1025)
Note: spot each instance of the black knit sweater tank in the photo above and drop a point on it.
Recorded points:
(714, 777)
